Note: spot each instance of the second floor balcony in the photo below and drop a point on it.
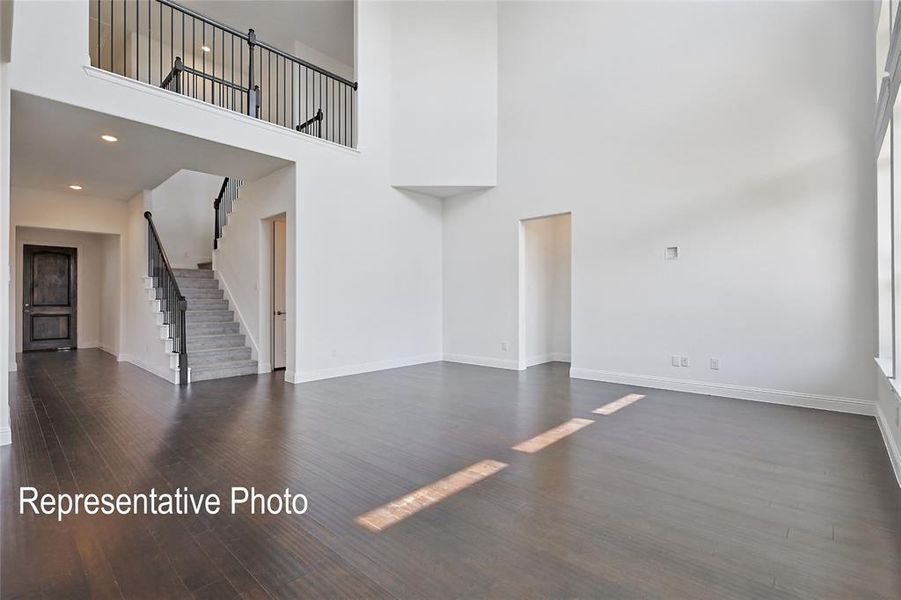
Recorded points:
(174, 47)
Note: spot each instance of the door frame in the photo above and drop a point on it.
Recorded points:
(25, 280)
(521, 334)
(272, 263)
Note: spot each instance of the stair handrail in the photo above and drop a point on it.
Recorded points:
(176, 318)
(223, 204)
(317, 118)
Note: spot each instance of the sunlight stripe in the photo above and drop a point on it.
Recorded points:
(543, 440)
(385, 516)
(612, 407)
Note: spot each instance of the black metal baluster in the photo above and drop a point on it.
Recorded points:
(112, 63)
(161, 44)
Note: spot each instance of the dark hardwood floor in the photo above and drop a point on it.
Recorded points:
(674, 496)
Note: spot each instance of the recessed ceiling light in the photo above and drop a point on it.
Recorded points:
(109, 138)
(205, 48)
(75, 187)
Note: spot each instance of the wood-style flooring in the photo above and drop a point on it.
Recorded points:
(673, 496)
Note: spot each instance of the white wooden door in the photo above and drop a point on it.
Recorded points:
(279, 315)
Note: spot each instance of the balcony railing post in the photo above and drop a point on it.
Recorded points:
(182, 341)
(252, 100)
(216, 230)
(179, 67)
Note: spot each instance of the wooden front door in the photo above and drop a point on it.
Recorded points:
(50, 298)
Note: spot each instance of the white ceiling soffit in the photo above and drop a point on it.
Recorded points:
(55, 145)
(444, 191)
(325, 25)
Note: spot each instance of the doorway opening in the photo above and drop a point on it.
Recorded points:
(545, 290)
(279, 337)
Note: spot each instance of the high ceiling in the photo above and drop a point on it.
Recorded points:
(325, 25)
(54, 145)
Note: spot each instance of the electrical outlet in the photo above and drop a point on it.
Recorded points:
(685, 361)
(505, 346)
(677, 361)
(714, 364)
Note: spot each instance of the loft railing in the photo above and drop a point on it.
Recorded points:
(167, 45)
(223, 205)
(307, 125)
(172, 303)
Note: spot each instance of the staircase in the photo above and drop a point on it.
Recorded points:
(216, 347)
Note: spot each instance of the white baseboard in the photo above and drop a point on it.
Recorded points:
(6, 436)
(167, 374)
(855, 406)
(891, 445)
(305, 376)
(108, 349)
(264, 368)
(13, 366)
(483, 361)
(87, 345)
(546, 358)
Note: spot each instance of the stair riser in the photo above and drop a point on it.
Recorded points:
(207, 304)
(218, 316)
(219, 341)
(202, 293)
(195, 304)
(195, 329)
(215, 358)
(204, 375)
(192, 274)
(191, 283)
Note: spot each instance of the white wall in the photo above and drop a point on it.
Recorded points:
(182, 208)
(243, 260)
(141, 341)
(755, 159)
(444, 94)
(97, 307)
(7, 359)
(110, 292)
(547, 286)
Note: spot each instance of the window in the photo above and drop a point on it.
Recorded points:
(886, 252)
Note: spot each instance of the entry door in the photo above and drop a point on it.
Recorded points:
(279, 317)
(49, 302)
